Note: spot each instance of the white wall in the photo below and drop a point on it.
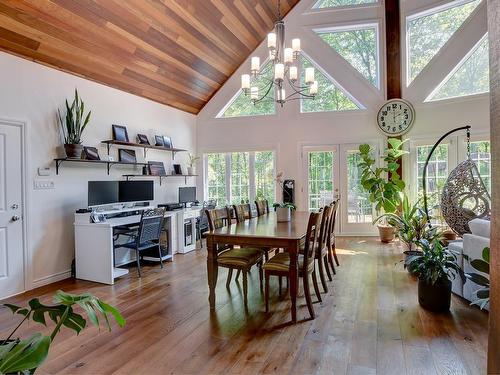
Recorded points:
(289, 129)
(32, 92)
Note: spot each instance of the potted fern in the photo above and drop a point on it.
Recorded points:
(383, 183)
(72, 126)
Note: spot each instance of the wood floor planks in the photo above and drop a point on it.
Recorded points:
(368, 323)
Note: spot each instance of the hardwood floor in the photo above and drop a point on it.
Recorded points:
(369, 323)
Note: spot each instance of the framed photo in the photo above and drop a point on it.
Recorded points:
(177, 169)
(142, 139)
(120, 133)
(156, 168)
(158, 140)
(126, 156)
(91, 153)
(167, 142)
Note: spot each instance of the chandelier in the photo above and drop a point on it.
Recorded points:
(285, 68)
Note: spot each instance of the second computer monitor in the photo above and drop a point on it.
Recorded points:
(187, 194)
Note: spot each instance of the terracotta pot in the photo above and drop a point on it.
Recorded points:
(73, 151)
(435, 297)
(449, 235)
(386, 233)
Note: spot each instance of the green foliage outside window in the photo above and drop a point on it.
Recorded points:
(264, 176)
(239, 178)
(428, 33)
(480, 153)
(320, 176)
(216, 178)
(341, 3)
(358, 47)
(243, 106)
(329, 97)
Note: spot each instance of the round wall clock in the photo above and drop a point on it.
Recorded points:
(396, 117)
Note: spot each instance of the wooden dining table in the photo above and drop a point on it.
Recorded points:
(261, 231)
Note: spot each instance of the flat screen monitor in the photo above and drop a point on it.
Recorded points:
(102, 192)
(136, 191)
(187, 194)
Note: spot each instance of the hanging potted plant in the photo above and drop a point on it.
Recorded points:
(383, 183)
(434, 266)
(192, 164)
(72, 126)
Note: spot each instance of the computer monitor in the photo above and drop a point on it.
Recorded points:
(136, 191)
(187, 194)
(102, 192)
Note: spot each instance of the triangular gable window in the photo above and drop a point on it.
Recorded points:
(321, 4)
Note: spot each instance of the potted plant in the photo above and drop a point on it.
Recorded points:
(482, 266)
(284, 211)
(72, 126)
(434, 267)
(192, 164)
(26, 355)
(383, 183)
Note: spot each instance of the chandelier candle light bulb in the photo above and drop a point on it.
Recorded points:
(279, 72)
(309, 75)
(296, 45)
(254, 93)
(245, 81)
(288, 56)
(255, 64)
(271, 40)
(293, 73)
(282, 95)
(313, 89)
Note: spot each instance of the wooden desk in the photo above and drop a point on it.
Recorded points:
(262, 231)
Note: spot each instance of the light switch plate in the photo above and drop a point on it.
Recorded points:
(43, 171)
(44, 184)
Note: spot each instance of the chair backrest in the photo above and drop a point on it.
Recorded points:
(207, 205)
(324, 231)
(312, 236)
(333, 219)
(218, 218)
(262, 207)
(151, 225)
(242, 212)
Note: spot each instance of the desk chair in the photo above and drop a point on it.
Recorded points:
(147, 235)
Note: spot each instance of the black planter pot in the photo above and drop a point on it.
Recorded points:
(435, 297)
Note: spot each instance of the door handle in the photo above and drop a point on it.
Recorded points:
(15, 206)
(16, 218)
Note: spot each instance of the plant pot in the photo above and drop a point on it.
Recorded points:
(449, 235)
(283, 214)
(435, 297)
(386, 233)
(191, 170)
(73, 151)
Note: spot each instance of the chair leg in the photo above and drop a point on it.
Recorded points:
(245, 288)
(266, 291)
(316, 288)
(322, 275)
(330, 261)
(137, 255)
(307, 294)
(159, 253)
(335, 255)
(261, 276)
(327, 267)
(280, 284)
(229, 276)
(237, 275)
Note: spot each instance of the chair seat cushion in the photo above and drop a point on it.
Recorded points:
(281, 262)
(242, 257)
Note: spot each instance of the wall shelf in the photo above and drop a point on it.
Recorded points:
(145, 147)
(108, 163)
(130, 176)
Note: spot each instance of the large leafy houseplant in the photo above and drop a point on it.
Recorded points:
(435, 266)
(483, 266)
(72, 125)
(24, 356)
(383, 183)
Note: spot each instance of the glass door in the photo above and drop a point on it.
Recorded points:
(321, 169)
(356, 213)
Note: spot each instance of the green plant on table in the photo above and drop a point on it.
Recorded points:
(285, 205)
(481, 265)
(74, 122)
(24, 356)
(383, 183)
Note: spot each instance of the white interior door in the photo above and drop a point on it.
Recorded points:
(356, 211)
(320, 164)
(11, 220)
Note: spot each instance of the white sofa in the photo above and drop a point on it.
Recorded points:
(472, 246)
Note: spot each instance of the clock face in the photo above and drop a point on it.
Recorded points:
(396, 117)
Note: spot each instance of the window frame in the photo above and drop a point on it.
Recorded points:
(315, 7)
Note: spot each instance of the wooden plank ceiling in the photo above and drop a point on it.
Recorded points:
(176, 52)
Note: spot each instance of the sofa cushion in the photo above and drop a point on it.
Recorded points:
(480, 227)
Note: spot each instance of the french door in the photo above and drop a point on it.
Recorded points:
(320, 164)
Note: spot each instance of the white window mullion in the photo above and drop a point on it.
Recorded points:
(228, 178)
(251, 177)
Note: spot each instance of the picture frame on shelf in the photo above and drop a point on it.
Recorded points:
(127, 156)
(91, 153)
(167, 142)
(177, 169)
(142, 139)
(156, 168)
(159, 140)
(120, 133)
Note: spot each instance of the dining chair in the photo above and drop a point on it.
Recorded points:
(279, 265)
(262, 207)
(332, 253)
(147, 235)
(241, 259)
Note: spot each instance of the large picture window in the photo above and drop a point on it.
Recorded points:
(358, 199)
(216, 178)
(480, 153)
(264, 176)
(320, 179)
(239, 178)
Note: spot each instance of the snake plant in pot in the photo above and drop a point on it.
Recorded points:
(435, 267)
(24, 356)
(72, 126)
(383, 183)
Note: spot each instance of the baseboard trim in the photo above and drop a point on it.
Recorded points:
(51, 279)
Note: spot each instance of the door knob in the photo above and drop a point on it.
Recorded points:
(14, 206)
(16, 218)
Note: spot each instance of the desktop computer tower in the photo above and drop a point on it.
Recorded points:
(289, 191)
